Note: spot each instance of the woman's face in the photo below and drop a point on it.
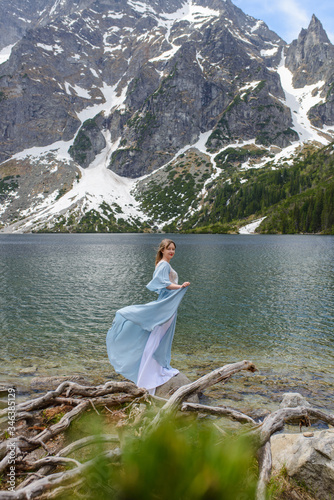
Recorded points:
(168, 252)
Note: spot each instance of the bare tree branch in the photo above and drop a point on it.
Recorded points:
(74, 388)
(276, 421)
(219, 375)
(265, 466)
(81, 443)
(25, 465)
(41, 486)
(4, 462)
(219, 411)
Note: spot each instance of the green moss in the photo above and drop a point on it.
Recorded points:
(62, 191)
(133, 121)
(134, 85)
(90, 124)
(219, 136)
(7, 184)
(82, 142)
(174, 199)
(237, 100)
(118, 155)
(259, 87)
(230, 156)
(265, 107)
(96, 222)
(330, 91)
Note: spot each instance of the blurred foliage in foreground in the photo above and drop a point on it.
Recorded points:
(195, 462)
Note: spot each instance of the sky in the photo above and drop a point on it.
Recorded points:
(288, 17)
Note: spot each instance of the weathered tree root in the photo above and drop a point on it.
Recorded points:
(46, 485)
(108, 394)
(219, 411)
(265, 466)
(219, 375)
(48, 466)
(74, 388)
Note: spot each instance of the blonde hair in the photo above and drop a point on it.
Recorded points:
(164, 244)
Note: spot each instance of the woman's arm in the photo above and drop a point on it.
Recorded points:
(174, 286)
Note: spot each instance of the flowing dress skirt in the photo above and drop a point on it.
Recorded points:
(140, 339)
(151, 374)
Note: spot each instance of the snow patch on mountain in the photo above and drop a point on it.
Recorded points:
(193, 14)
(165, 56)
(256, 26)
(96, 185)
(55, 49)
(5, 53)
(114, 99)
(300, 101)
(250, 228)
(140, 7)
(60, 149)
(248, 87)
(269, 52)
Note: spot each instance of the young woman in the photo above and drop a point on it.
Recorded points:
(140, 339)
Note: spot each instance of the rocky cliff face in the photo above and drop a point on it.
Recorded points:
(176, 73)
(129, 86)
(19, 16)
(311, 59)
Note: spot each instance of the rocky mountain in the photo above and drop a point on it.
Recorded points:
(106, 106)
(310, 59)
(19, 16)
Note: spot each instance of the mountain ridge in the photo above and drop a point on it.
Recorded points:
(125, 90)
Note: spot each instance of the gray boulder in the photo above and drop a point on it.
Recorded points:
(308, 458)
(293, 399)
(173, 384)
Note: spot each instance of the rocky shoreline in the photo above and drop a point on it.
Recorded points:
(303, 457)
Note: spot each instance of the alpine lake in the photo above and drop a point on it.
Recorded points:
(267, 299)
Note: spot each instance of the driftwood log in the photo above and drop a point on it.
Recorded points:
(43, 482)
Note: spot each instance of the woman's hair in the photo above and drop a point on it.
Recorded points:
(164, 244)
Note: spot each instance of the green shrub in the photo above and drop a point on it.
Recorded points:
(178, 463)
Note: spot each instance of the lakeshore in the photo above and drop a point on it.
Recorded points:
(265, 298)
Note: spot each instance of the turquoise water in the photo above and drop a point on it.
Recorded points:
(268, 299)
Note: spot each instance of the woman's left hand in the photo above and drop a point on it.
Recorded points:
(185, 284)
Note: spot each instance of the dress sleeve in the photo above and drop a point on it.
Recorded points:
(160, 278)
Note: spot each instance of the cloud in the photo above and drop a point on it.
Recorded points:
(288, 17)
(295, 13)
(285, 17)
(296, 17)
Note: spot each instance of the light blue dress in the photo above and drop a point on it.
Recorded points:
(134, 325)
